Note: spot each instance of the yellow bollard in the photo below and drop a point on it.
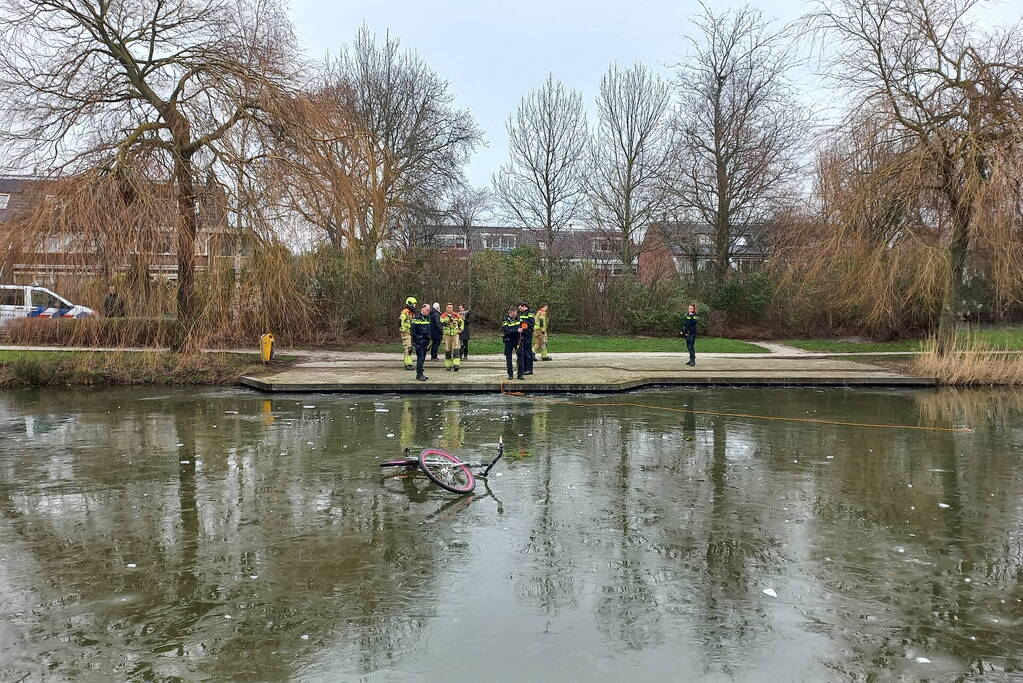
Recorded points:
(266, 347)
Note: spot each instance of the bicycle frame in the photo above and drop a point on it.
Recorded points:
(413, 463)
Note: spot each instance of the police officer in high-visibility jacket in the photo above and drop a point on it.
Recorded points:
(405, 327)
(689, 325)
(452, 324)
(542, 328)
(528, 321)
(421, 336)
(511, 331)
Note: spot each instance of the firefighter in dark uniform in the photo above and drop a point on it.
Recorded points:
(689, 324)
(422, 335)
(528, 320)
(511, 331)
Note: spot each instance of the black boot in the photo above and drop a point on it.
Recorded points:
(421, 377)
(520, 375)
(511, 376)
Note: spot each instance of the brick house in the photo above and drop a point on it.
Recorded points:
(576, 245)
(675, 249)
(53, 257)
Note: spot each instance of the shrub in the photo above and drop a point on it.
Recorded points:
(141, 332)
(744, 297)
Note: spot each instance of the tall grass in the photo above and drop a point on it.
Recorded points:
(41, 369)
(972, 360)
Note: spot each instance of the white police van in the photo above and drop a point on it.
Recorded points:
(32, 301)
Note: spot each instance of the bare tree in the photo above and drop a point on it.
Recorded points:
(922, 75)
(542, 184)
(629, 156)
(739, 129)
(132, 83)
(387, 144)
(468, 207)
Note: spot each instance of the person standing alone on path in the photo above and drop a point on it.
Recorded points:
(463, 336)
(511, 332)
(528, 320)
(689, 325)
(436, 331)
(452, 324)
(542, 326)
(421, 337)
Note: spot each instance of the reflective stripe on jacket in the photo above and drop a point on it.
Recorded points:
(452, 323)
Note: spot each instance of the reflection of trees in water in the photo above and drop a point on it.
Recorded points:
(249, 500)
(894, 580)
(737, 549)
(626, 603)
(548, 577)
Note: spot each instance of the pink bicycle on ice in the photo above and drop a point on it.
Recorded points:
(446, 470)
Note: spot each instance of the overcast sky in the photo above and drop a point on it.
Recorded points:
(493, 53)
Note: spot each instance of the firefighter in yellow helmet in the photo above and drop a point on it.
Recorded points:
(405, 327)
(452, 325)
(542, 328)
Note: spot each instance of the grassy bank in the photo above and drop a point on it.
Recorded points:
(584, 343)
(81, 368)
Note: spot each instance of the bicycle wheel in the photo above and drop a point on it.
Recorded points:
(447, 471)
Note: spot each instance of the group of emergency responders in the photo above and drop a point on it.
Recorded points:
(424, 328)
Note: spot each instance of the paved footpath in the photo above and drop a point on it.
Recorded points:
(347, 371)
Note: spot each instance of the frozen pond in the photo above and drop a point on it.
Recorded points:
(154, 534)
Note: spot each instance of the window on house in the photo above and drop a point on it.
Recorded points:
(5, 199)
(603, 246)
(498, 242)
(452, 241)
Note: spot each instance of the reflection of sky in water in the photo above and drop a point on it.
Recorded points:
(617, 541)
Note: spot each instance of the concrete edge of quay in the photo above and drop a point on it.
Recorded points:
(265, 385)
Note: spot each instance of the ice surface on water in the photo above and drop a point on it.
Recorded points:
(624, 532)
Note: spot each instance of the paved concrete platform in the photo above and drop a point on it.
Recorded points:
(594, 372)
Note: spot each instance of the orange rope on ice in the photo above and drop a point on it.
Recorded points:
(811, 420)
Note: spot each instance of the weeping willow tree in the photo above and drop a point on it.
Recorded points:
(141, 89)
(922, 189)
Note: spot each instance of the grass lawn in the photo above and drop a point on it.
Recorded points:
(839, 346)
(1007, 337)
(581, 343)
(13, 356)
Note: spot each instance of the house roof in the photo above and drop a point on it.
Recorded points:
(683, 238)
(14, 186)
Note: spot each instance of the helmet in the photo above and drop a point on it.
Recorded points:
(411, 301)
